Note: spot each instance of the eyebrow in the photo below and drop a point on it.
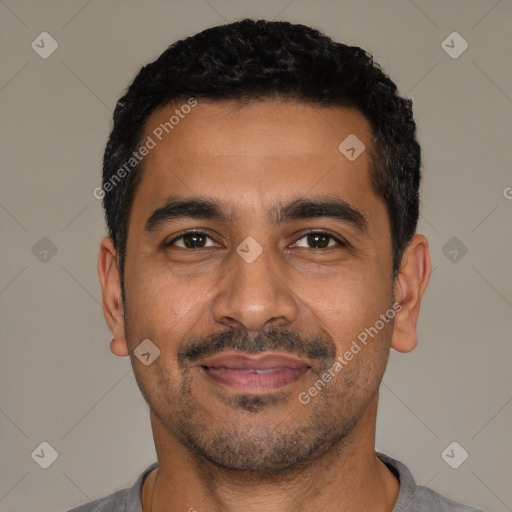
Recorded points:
(298, 209)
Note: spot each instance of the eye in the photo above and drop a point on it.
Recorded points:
(199, 240)
(320, 239)
(191, 240)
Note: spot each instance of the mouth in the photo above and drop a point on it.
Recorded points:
(252, 373)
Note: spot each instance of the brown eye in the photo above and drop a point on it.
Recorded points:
(319, 240)
(190, 240)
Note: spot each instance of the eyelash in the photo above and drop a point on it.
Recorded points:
(339, 241)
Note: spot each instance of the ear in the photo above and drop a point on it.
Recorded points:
(410, 285)
(113, 309)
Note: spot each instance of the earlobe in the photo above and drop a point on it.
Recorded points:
(113, 310)
(118, 347)
(410, 286)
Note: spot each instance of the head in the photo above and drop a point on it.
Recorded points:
(241, 137)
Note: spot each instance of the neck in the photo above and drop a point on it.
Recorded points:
(349, 476)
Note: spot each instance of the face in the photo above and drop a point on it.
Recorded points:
(257, 255)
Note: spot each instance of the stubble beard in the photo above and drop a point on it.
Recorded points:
(256, 448)
(306, 434)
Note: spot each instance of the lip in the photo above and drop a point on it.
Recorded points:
(254, 373)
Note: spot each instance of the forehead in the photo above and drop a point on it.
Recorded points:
(255, 155)
(261, 127)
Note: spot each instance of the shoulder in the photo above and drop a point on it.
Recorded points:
(126, 500)
(417, 498)
(114, 503)
(428, 499)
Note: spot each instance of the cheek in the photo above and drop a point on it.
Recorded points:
(159, 384)
(162, 304)
(346, 303)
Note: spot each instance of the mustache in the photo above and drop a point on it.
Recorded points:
(275, 339)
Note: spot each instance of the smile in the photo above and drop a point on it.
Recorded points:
(255, 374)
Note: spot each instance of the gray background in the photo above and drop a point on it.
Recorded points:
(60, 383)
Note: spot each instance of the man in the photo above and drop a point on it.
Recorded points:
(261, 193)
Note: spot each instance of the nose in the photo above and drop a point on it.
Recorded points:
(255, 294)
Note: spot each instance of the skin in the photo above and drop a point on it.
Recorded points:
(224, 450)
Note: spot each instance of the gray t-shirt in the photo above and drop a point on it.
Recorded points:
(412, 498)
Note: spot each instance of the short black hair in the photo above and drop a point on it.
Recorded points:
(252, 60)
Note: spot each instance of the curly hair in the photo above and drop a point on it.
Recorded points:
(253, 60)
